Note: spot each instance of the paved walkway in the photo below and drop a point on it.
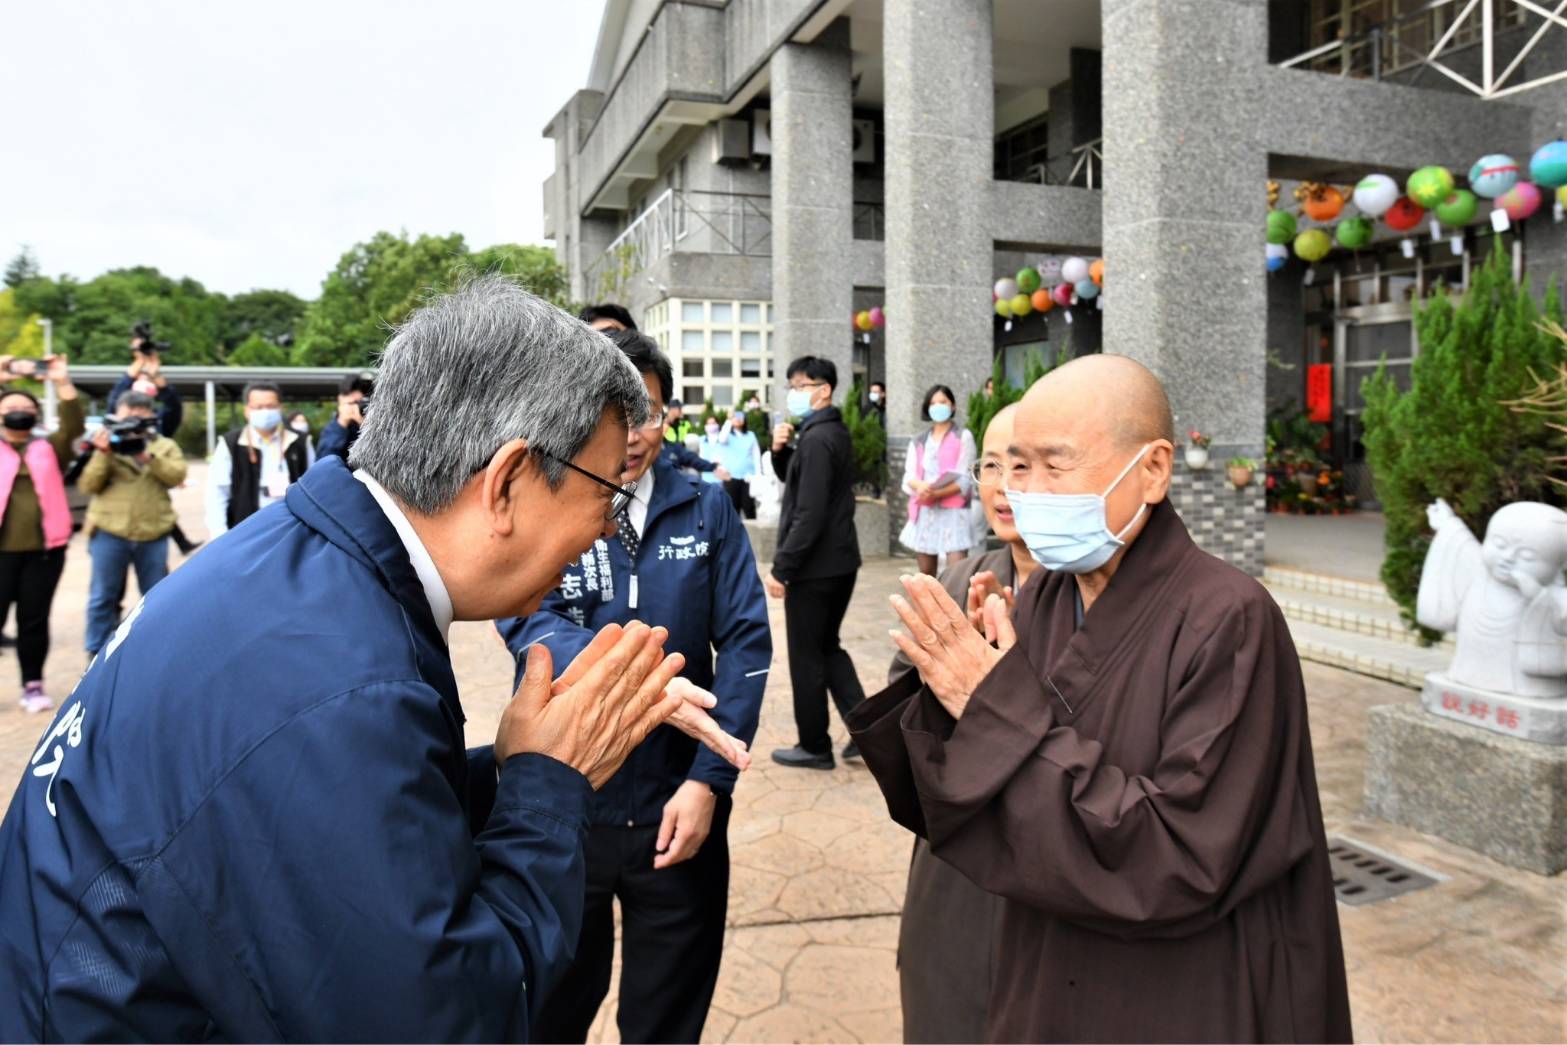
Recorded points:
(819, 870)
(1343, 545)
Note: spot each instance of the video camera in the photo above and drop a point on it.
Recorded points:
(149, 346)
(128, 435)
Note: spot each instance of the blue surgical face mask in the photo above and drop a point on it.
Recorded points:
(1070, 532)
(798, 402)
(265, 419)
(940, 412)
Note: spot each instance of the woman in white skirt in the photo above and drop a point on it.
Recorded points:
(937, 480)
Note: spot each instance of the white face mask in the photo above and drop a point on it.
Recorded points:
(1070, 532)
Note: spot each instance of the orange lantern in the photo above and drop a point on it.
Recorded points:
(1322, 202)
(1041, 300)
(1096, 271)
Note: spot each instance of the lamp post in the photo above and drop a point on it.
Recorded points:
(51, 397)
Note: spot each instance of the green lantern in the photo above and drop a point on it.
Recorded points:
(1312, 245)
(1281, 226)
(1458, 209)
(1429, 186)
(1354, 233)
(1027, 280)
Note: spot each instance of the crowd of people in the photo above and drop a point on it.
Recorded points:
(1096, 732)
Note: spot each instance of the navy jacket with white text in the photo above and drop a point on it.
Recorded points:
(696, 576)
(254, 818)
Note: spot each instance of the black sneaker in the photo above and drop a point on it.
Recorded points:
(851, 750)
(798, 758)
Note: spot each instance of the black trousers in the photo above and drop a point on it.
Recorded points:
(739, 492)
(28, 579)
(672, 938)
(818, 663)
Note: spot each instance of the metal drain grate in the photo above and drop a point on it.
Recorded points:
(1361, 876)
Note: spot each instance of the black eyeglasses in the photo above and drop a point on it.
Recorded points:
(623, 491)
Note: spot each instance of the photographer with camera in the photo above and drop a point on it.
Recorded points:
(145, 375)
(353, 399)
(131, 472)
(35, 516)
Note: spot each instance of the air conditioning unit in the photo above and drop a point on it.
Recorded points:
(761, 132)
(732, 143)
(864, 141)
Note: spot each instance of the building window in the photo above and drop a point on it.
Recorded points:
(702, 347)
(1404, 32)
(1020, 153)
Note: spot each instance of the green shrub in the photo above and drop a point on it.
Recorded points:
(869, 439)
(1451, 435)
(982, 407)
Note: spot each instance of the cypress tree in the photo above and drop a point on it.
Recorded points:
(1452, 434)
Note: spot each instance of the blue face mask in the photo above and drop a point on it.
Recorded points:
(266, 419)
(1070, 532)
(940, 413)
(798, 402)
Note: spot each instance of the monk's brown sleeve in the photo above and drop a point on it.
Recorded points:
(1028, 808)
(875, 727)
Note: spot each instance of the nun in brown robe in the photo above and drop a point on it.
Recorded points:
(947, 934)
(1129, 766)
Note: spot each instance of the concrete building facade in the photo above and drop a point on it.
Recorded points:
(745, 175)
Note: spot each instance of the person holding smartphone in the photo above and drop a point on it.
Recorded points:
(35, 518)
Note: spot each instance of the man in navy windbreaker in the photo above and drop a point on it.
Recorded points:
(659, 837)
(254, 818)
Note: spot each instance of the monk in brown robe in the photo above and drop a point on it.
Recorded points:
(1125, 758)
(947, 937)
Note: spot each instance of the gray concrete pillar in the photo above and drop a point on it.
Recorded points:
(940, 117)
(1184, 212)
(813, 198)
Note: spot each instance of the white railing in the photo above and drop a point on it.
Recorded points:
(689, 221)
(1457, 25)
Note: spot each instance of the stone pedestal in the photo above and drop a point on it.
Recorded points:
(1497, 795)
(871, 525)
(1538, 719)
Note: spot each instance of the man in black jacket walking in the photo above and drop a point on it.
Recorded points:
(817, 559)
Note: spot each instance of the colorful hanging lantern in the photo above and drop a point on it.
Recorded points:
(878, 317)
(1521, 201)
(1278, 256)
(1096, 271)
(1493, 175)
(1548, 165)
(1027, 280)
(1074, 270)
(1321, 202)
(1087, 290)
(1561, 196)
(1429, 186)
(1022, 305)
(1404, 214)
(1281, 226)
(1042, 301)
(1355, 232)
(1063, 294)
(1049, 271)
(1006, 288)
(862, 321)
(1458, 209)
(1312, 245)
(1004, 308)
(1375, 194)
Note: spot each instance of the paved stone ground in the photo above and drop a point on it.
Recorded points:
(819, 870)
(1298, 541)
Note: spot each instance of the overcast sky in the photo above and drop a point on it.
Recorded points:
(248, 145)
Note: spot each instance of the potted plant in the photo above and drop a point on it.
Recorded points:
(1197, 450)
(1241, 470)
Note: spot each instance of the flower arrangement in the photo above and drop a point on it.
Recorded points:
(1197, 439)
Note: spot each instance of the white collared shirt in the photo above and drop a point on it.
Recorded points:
(434, 588)
(643, 496)
(220, 473)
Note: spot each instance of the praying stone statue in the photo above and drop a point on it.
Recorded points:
(1506, 600)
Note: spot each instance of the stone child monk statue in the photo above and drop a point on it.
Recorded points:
(1505, 598)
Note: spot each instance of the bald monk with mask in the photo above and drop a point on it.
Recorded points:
(1124, 758)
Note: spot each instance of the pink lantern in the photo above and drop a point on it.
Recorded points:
(1063, 294)
(1521, 201)
(878, 317)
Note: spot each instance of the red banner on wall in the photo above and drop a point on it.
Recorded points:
(1319, 392)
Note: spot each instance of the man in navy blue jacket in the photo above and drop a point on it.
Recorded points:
(254, 819)
(659, 841)
(340, 433)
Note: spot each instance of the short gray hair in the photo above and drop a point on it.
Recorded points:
(476, 368)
